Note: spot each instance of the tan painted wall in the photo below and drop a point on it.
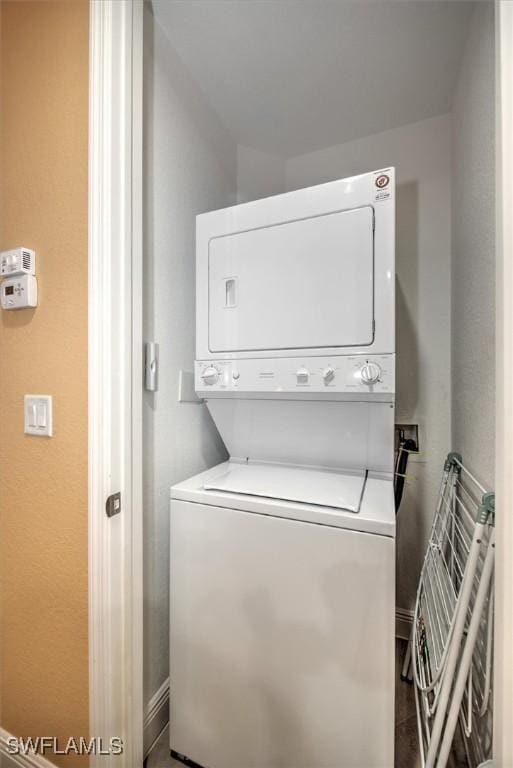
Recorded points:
(43, 482)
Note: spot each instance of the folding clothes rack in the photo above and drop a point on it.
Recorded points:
(450, 649)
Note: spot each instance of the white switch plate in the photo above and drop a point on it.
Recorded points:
(38, 415)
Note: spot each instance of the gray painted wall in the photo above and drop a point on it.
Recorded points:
(473, 250)
(473, 268)
(258, 174)
(190, 166)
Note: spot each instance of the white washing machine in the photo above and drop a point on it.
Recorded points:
(283, 558)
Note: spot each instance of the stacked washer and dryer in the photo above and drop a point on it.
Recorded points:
(283, 557)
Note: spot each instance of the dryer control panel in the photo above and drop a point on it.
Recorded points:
(354, 377)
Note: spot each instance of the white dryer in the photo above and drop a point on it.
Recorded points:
(283, 558)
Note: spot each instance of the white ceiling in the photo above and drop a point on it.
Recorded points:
(292, 76)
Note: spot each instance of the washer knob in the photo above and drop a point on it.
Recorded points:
(302, 375)
(328, 374)
(210, 375)
(370, 373)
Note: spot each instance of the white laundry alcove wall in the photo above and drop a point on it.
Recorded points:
(197, 160)
(421, 155)
(190, 166)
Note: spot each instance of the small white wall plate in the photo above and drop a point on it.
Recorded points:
(38, 415)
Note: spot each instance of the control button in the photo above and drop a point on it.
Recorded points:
(235, 375)
(370, 373)
(302, 376)
(328, 374)
(210, 375)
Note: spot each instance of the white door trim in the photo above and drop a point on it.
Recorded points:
(503, 660)
(115, 396)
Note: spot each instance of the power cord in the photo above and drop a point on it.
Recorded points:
(406, 446)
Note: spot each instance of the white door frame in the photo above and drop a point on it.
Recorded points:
(503, 658)
(115, 379)
(115, 376)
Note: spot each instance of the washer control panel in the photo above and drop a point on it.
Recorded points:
(347, 375)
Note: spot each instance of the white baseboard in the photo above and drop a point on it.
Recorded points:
(156, 716)
(403, 623)
(19, 761)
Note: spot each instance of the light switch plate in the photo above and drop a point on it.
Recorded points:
(38, 415)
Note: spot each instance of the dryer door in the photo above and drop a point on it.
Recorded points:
(296, 285)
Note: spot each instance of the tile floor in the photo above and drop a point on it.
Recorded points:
(159, 756)
(406, 740)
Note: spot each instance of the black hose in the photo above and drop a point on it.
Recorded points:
(401, 464)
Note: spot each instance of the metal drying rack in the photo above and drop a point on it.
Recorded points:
(450, 618)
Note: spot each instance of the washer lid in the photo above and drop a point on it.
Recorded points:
(324, 488)
(376, 514)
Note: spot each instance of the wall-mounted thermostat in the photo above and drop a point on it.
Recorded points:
(17, 261)
(19, 292)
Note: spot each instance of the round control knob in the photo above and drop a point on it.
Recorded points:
(370, 373)
(210, 375)
(328, 374)
(302, 375)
